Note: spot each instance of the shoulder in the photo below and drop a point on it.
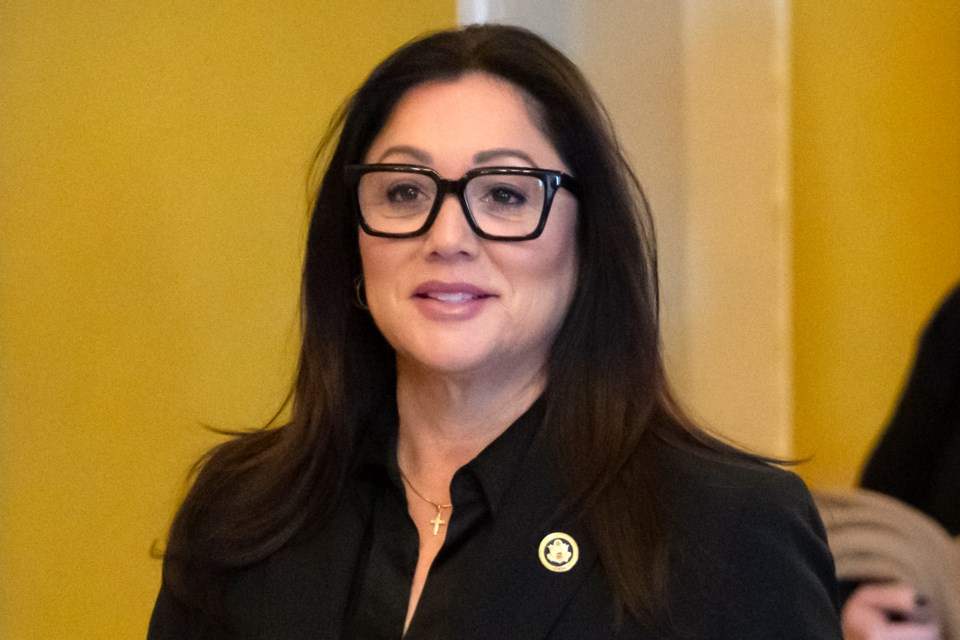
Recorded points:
(949, 309)
(731, 485)
(753, 543)
(722, 498)
(938, 353)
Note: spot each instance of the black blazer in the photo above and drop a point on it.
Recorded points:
(917, 459)
(756, 567)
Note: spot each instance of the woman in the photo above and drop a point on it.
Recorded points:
(917, 458)
(917, 461)
(482, 442)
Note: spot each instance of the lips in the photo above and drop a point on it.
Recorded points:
(451, 301)
(452, 292)
(451, 297)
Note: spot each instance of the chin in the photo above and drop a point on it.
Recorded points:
(449, 366)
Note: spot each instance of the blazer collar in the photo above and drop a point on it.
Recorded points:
(302, 591)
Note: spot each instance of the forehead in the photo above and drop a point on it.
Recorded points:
(448, 119)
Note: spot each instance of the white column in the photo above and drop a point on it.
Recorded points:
(699, 93)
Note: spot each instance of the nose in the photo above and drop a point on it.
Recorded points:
(450, 234)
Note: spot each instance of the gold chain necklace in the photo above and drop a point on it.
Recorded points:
(438, 521)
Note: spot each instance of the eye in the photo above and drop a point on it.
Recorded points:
(404, 193)
(503, 195)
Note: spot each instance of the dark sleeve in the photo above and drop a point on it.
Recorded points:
(781, 581)
(909, 453)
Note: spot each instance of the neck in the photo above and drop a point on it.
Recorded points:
(445, 422)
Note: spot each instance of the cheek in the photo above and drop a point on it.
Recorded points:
(564, 263)
(366, 253)
(550, 272)
(564, 281)
(375, 260)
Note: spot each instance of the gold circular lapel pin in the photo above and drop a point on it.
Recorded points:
(559, 552)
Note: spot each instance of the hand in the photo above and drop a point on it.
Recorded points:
(886, 612)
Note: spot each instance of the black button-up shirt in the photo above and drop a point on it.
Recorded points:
(381, 590)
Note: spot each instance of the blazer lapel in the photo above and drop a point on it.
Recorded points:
(513, 594)
(303, 591)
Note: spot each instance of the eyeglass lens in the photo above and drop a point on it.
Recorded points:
(506, 205)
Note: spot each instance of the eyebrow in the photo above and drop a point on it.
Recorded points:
(417, 154)
(481, 157)
(495, 154)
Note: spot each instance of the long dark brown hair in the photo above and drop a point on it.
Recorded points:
(607, 399)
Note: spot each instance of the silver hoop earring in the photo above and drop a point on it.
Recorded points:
(361, 294)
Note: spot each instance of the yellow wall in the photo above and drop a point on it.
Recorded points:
(153, 161)
(876, 134)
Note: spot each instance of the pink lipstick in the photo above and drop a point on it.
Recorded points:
(450, 300)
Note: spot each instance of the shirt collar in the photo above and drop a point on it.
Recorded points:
(493, 469)
(496, 466)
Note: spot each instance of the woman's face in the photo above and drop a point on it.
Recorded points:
(448, 301)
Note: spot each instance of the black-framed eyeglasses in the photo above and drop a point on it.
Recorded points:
(500, 203)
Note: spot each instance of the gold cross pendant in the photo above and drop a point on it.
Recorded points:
(438, 521)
